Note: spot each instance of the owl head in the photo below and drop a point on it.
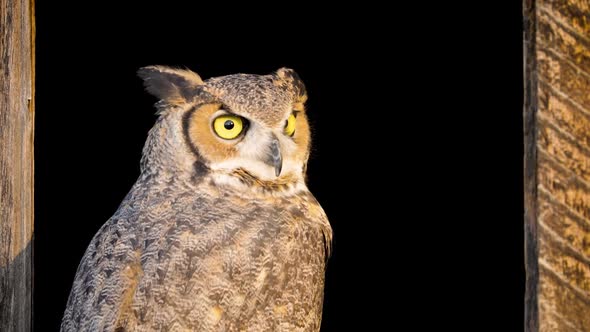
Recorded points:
(249, 128)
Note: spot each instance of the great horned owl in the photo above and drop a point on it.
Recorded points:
(220, 232)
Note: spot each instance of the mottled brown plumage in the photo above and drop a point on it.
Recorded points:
(210, 238)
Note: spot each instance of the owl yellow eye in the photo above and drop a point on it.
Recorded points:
(228, 126)
(290, 125)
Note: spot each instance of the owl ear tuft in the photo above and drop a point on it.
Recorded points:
(175, 86)
(290, 77)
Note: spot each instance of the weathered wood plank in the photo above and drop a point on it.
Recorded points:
(530, 167)
(560, 301)
(559, 73)
(560, 37)
(563, 187)
(565, 261)
(557, 165)
(16, 163)
(575, 13)
(563, 113)
(564, 148)
(565, 223)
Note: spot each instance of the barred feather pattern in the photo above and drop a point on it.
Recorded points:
(180, 262)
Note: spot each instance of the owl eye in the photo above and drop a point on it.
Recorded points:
(228, 126)
(290, 125)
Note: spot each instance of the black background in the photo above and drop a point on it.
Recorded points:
(417, 157)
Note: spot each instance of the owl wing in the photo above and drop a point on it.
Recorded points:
(109, 270)
(103, 281)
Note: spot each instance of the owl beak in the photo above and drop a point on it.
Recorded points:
(274, 156)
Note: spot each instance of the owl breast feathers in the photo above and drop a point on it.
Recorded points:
(220, 232)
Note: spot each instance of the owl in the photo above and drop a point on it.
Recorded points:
(220, 232)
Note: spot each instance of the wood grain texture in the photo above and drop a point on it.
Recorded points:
(557, 165)
(16, 163)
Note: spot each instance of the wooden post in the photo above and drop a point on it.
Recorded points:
(557, 165)
(16, 163)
